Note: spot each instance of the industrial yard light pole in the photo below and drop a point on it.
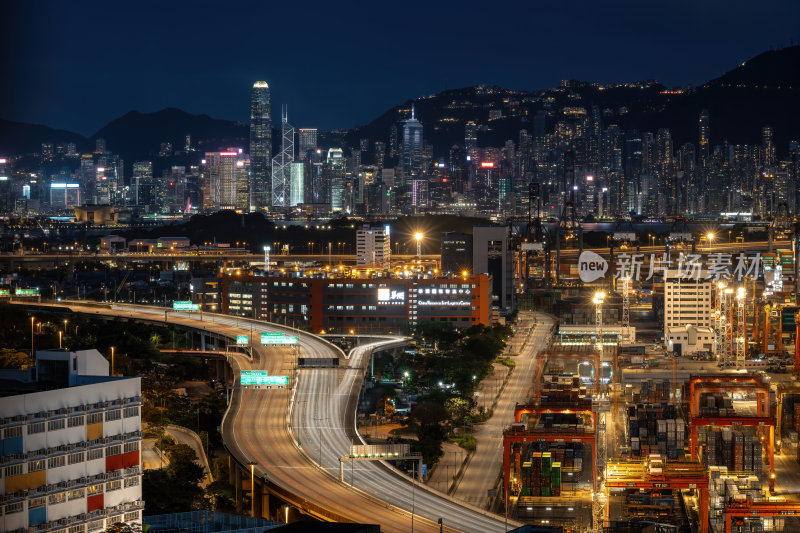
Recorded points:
(710, 236)
(598, 299)
(418, 236)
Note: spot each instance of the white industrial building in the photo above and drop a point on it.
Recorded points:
(688, 340)
(70, 457)
(687, 301)
(373, 246)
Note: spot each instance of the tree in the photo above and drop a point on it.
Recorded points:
(183, 467)
(13, 359)
(122, 527)
(430, 415)
(458, 408)
(174, 488)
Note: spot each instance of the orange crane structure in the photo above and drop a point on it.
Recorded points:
(797, 344)
(656, 474)
(517, 434)
(768, 329)
(782, 389)
(732, 383)
(525, 409)
(738, 510)
(728, 383)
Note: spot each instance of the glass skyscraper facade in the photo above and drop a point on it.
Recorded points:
(260, 145)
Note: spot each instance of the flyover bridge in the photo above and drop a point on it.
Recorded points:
(291, 439)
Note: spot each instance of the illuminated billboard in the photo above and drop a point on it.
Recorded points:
(391, 296)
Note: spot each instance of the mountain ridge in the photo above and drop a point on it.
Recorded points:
(758, 92)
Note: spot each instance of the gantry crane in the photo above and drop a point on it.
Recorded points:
(738, 510)
(656, 474)
(732, 383)
(524, 409)
(518, 434)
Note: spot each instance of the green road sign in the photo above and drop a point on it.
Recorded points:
(185, 306)
(260, 377)
(275, 338)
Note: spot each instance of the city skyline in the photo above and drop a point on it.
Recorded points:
(449, 54)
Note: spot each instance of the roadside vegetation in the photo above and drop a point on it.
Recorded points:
(440, 374)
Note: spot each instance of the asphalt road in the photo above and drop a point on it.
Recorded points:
(487, 460)
(255, 428)
(323, 422)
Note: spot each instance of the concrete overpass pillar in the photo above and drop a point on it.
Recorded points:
(238, 486)
(265, 509)
(257, 500)
(203, 341)
(231, 473)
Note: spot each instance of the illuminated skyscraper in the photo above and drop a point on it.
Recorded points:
(412, 148)
(767, 147)
(142, 183)
(281, 163)
(224, 177)
(260, 145)
(297, 174)
(336, 170)
(470, 135)
(704, 136)
(307, 138)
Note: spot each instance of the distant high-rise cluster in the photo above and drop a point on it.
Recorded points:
(568, 154)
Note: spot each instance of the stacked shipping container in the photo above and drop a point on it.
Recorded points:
(656, 429)
(737, 449)
(551, 467)
(561, 388)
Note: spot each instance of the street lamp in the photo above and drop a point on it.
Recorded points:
(252, 488)
(418, 236)
(59, 339)
(112, 360)
(32, 320)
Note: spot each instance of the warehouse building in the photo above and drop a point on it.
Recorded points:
(371, 304)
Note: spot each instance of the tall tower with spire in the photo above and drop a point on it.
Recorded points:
(282, 163)
(260, 145)
(412, 148)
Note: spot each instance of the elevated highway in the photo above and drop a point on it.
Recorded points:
(298, 462)
(238, 258)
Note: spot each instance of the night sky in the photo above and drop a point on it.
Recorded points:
(77, 65)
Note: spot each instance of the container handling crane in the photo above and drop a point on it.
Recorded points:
(656, 474)
(733, 383)
(739, 509)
